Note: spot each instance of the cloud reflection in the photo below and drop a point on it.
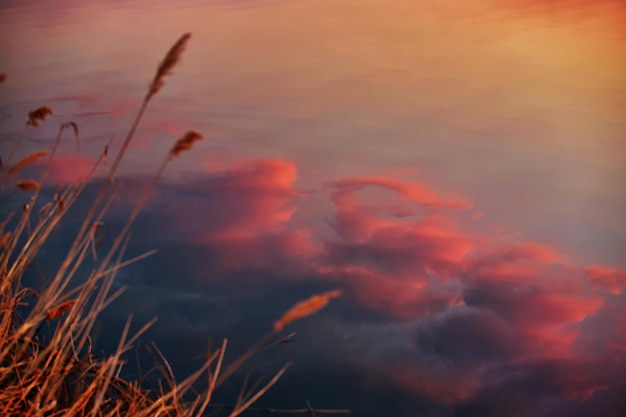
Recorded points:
(470, 323)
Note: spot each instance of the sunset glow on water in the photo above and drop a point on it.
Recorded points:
(456, 169)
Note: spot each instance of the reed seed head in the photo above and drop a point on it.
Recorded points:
(28, 185)
(305, 308)
(39, 114)
(28, 160)
(185, 143)
(167, 65)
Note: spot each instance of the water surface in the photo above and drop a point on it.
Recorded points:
(456, 169)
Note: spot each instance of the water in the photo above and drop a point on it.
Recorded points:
(397, 150)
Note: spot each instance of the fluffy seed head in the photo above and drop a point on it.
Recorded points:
(185, 142)
(167, 65)
(38, 114)
(305, 308)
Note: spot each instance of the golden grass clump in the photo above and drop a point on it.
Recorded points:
(305, 308)
(186, 142)
(39, 114)
(169, 62)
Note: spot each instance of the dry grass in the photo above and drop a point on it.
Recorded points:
(27, 160)
(54, 373)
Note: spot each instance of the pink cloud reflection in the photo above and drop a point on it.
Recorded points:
(510, 303)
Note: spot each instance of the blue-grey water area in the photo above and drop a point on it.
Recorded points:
(456, 169)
